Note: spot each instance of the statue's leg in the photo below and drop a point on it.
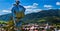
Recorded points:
(18, 23)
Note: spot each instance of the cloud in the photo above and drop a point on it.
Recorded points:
(37, 10)
(48, 6)
(6, 11)
(2, 12)
(57, 3)
(31, 6)
(28, 7)
(32, 11)
(35, 4)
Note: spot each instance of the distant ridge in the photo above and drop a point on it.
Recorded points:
(34, 16)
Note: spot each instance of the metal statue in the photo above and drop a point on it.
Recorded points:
(17, 13)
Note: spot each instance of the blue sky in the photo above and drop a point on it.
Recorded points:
(30, 5)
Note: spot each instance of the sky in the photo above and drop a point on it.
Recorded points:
(30, 5)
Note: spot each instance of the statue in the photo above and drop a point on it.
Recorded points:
(17, 13)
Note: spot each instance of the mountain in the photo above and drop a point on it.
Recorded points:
(34, 16)
(43, 13)
(5, 17)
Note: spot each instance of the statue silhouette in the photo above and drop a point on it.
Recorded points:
(17, 12)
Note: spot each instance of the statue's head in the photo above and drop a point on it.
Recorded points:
(17, 2)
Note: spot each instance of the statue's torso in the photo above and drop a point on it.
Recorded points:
(18, 11)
